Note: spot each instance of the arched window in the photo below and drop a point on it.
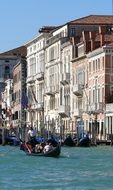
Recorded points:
(7, 72)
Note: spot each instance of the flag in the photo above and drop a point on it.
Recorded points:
(30, 97)
(24, 100)
(34, 96)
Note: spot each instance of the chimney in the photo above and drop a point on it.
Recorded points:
(75, 40)
(92, 35)
(85, 36)
(102, 31)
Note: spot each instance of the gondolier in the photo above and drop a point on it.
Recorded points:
(32, 136)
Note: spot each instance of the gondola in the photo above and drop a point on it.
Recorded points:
(69, 142)
(12, 140)
(55, 152)
(84, 142)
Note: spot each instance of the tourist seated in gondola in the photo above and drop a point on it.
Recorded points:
(48, 147)
(39, 148)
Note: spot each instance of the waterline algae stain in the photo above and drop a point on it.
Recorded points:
(76, 169)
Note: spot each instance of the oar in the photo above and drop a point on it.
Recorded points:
(28, 148)
(26, 145)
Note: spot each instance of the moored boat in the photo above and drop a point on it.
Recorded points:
(84, 142)
(69, 141)
(12, 140)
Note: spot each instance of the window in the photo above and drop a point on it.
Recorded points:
(81, 77)
(93, 66)
(34, 47)
(102, 94)
(60, 96)
(7, 72)
(7, 60)
(93, 96)
(72, 32)
(89, 67)
(98, 64)
(30, 49)
(103, 62)
(51, 77)
(51, 54)
(41, 62)
(112, 63)
(112, 91)
(52, 103)
(89, 98)
(16, 115)
(40, 97)
(32, 66)
(98, 94)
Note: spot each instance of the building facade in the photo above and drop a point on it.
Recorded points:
(69, 78)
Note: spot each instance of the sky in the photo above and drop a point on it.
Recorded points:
(20, 20)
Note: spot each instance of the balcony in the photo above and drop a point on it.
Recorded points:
(56, 88)
(100, 107)
(65, 78)
(30, 79)
(64, 111)
(77, 90)
(39, 76)
(55, 38)
(16, 122)
(40, 106)
(96, 108)
(78, 112)
(33, 107)
(50, 91)
(87, 108)
(109, 108)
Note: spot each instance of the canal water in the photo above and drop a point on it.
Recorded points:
(76, 169)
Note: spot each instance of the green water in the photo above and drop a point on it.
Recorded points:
(75, 169)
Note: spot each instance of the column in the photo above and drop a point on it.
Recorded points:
(107, 126)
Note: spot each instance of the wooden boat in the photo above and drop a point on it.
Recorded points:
(55, 152)
(84, 142)
(12, 140)
(69, 142)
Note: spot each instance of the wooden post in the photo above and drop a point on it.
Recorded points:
(3, 136)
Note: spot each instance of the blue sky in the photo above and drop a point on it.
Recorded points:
(20, 20)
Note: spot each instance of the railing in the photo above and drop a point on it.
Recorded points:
(77, 90)
(109, 107)
(64, 110)
(50, 90)
(39, 76)
(53, 39)
(95, 108)
(65, 78)
(78, 112)
(30, 79)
